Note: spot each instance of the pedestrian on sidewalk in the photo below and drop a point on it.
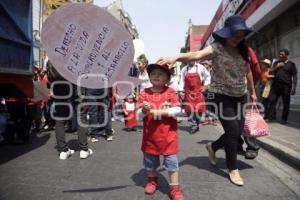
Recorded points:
(284, 85)
(158, 105)
(231, 76)
(265, 84)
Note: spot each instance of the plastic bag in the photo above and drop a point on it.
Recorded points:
(255, 125)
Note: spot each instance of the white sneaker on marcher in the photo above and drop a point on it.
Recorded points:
(66, 154)
(85, 154)
(110, 138)
(94, 139)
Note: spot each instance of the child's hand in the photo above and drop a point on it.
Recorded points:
(156, 114)
(146, 107)
(125, 113)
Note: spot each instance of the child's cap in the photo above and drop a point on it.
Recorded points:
(166, 68)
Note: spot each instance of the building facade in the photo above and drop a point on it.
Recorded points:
(194, 37)
(117, 10)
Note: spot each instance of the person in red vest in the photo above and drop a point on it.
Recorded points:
(129, 110)
(158, 105)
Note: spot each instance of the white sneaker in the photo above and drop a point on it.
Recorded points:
(85, 154)
(65, 154)
(94, 139)
(110, 138)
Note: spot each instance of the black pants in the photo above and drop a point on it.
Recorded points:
(251, 143)
(49, 121)
(62, 111)
(279, 90)
(231, 115)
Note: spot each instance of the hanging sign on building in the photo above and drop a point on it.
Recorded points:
(88, 46)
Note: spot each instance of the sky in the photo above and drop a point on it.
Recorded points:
(163, 24)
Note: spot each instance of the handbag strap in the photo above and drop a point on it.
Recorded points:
(254, 108)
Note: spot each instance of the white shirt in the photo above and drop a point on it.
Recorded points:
(129, 106)
(203, 74)
(146, 81)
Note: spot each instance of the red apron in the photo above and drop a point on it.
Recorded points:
(130, 119)
(193, 98)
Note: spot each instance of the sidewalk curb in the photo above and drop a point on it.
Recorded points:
(283, 153)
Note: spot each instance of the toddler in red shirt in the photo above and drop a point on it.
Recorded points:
(158, 105)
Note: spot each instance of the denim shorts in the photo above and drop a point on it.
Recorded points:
(152, 162)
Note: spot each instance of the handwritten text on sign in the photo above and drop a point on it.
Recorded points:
(83, 40)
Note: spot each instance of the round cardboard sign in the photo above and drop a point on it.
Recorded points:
(88, 46)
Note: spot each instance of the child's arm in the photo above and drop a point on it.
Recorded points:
(169, 112)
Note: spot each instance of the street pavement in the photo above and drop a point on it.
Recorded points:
(115, 172)
(284, 142)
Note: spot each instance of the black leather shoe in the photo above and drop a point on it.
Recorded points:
(283, 122)
(250, 154)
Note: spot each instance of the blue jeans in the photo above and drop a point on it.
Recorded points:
(99, 115)
(170, 163)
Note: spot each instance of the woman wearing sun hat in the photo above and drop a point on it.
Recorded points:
(231, 80)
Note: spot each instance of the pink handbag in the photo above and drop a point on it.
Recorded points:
(255, 125)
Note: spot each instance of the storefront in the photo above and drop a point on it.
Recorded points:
(282, 31)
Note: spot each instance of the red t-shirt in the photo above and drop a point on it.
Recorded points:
(160, 136)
